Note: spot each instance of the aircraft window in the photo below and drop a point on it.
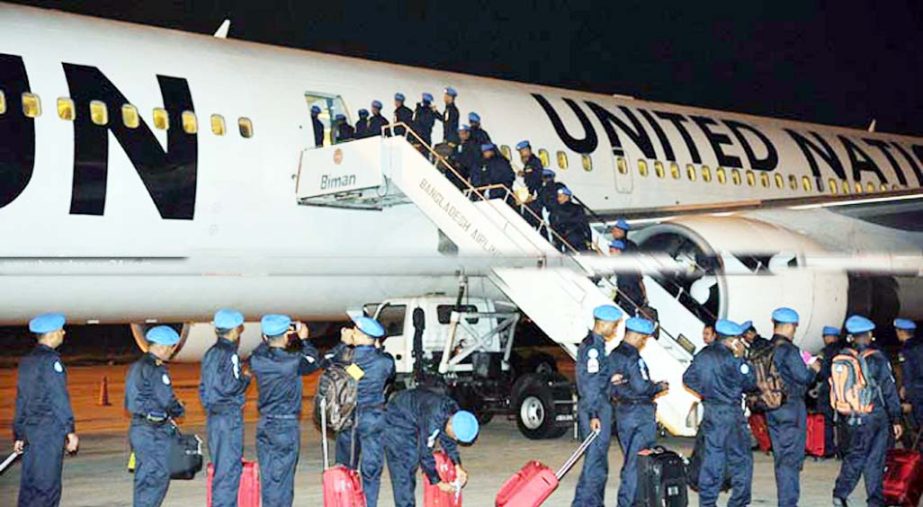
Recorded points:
(444, 313)
(883, 187)
(2, 102)
(780, 181)
(764, 180)
(161, 119)
(642, 167)
(722, 176)
(706, 173)
(543, 156)
(674, 170)
(870, 187)
(130, 116)
(845, 185)
(65, 109)
(562, 160)
(218, 127)
(621, 165)
(99, 114)
(831, 183)
(392, 319)
(246, 127)
(792, 182)
(587, 162)
(751, 178)
(31, 105)
(858, 187)
(690, 172)
(658, 168)
(735, 176)
(190, 123)
(895, 187)
(806, 183)
(505, 150)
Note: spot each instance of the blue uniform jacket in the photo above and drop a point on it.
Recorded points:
(796, 375)
(880, 370)
(479, 135)
(548, 195)
(376, 122)
(636, 386)
(912, 368)
(362, 128)
(570, 221)
(277, 373)
(466, 158)
(223, 385)
(149, 390)
(719, 377)
(318, 131)
(593, 375)
(41, 392)
(828, 353)
(403, 115)
(532, 174)
(449, 119)
(499, 171)
(426, 413)
(423, 120)
(377, 367)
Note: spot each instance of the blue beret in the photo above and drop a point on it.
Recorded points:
(376, 104)
(340, 117)
(521, 145)
(548, 172)
(363, 112)
(566, 191)
(622, 224)
(227, 318)
(745, 326)
(473, 118)
(451, 91)
(275, 324)
(465, 426)
(639, 325)
(607, 313)
(427, 97)
(466, 128)
(315, 109)
(399, 96)
(487, 147)
(830, 330)
(617, 243)
(785, 316)
(858, 324)
(370, 326)
(726, 327)
(162, 335)
(905, 324)
(47, 323)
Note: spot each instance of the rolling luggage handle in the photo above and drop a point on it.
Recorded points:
(576, 455)
(323, 429)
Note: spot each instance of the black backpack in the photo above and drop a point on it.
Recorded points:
(185, 459)
(341, 391)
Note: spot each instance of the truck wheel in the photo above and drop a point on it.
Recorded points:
(535, 413)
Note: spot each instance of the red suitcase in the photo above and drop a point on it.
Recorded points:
(248, 495)
(903, 481)
(535, 482)
(432, 495)
(814, 443)
(760, 429)
(342, 486)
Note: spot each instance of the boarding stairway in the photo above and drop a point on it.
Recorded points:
(552, 287)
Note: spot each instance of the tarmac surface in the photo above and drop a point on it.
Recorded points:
(97, 476)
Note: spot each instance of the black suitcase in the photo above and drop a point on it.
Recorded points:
(695, 465)
(661, 479)
(185, 456)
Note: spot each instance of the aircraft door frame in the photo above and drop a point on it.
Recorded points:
(330, 104)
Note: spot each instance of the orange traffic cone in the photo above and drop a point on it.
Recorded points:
(104, 393)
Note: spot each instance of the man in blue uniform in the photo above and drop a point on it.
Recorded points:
(788, 423)
(635, 410)
(317, 126)
(548, 193)
(222, 389)
(402, 114)
(569, 221)
(150, 400)
(362, 125)
(416, 419)
(832, 347)
(632, 294)
(376, 121)
(720, 375)
(752, 339)
(361, 445)
(869, 435)
(278, 371)
(620, 231)
(343, 131)
(531, 174)
(424, 117)
(465, 158)
(494, 170)
(43, 426)
(449, 117)
(594, 411)
(911, 360)
(479, 135)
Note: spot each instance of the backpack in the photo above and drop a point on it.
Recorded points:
(341, 390)
(771, 394)
(853, 389)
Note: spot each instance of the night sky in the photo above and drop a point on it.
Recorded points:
(834, 62)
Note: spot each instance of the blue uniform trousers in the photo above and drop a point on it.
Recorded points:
(278, 443)
(369, 454)
(403, 451)
(151, 445)
(637, 431)
(40, 482)
(591, 487)
(727, 447)
(829, 421)
(788, 431)
(868, 444)
(225, 448)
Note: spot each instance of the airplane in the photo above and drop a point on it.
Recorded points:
(151, 175)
